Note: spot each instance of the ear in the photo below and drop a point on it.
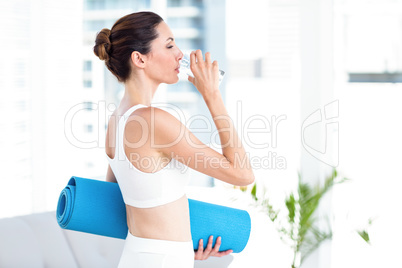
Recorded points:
(137, 59)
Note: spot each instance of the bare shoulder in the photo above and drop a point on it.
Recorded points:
(157, 118)
(152, 126)
(147, 112)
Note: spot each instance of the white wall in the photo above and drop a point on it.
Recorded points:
(370, 147)
(46, 37)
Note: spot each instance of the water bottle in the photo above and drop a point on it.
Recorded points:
(185, 67)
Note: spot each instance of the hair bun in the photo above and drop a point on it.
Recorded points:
(103, 44)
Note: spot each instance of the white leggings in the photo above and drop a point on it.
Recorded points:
(141, 252)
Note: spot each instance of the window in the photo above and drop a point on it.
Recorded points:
(95, 25)
(185, 22)
(87, 83)
(178, 3)
(88, 128)
(87, 66)
(190, 44)
(174, 3)
(375, 77)
(372, 46)
(115, 4)
(87, 105)
(89, 165)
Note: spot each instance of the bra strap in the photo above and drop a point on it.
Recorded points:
(121, 126)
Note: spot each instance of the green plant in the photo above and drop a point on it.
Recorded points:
(363, 233)
(299, 227)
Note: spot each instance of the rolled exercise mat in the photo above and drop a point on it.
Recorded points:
(97, 207)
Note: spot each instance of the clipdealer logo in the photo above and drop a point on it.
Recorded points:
(326, 120)
(257, 132)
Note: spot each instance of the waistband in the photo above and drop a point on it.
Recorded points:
(140, 244)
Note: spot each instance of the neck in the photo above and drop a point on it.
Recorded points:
(139, 90)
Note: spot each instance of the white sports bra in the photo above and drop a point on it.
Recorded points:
(143, 189)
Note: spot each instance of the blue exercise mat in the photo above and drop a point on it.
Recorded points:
(97, 207)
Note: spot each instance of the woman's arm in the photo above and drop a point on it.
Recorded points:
(172, 138)
(232, 147)
(206, 80)
(110, 175)
(233, 165)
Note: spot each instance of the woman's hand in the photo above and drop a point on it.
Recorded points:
(206, 74)
(202, 254)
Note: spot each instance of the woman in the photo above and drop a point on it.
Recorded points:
(141, 52)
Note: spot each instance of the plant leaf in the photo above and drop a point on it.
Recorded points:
(364, 234)
(254, 192)
(312, 241)
(291, 206)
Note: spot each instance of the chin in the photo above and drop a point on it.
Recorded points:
(173, 80)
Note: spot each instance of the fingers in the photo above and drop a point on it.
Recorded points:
(199, 254)
(223, 253)
(196, 57)
(192, 59)
(208, 58)
(216, 247)
(208, 250)
(202, 254)
(215, 65)
(193, 64)
(215, 252)
(191, 79)
(198, 54)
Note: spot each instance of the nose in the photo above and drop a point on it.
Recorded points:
(180, 55)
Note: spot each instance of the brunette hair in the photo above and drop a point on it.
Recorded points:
(133, 32)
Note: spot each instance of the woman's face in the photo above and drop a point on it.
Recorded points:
(163, 60)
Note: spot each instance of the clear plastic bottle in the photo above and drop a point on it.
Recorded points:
(185, 67)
